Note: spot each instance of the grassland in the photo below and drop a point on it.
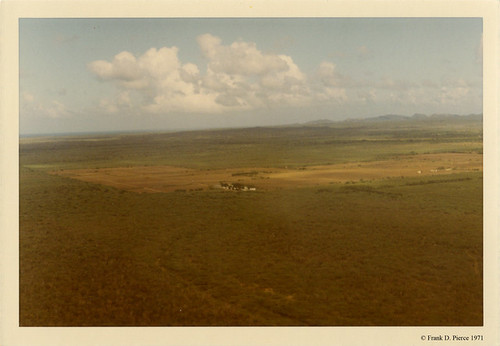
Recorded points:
(154, 179)
(389, 250)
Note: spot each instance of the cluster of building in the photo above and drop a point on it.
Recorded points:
(236, 187)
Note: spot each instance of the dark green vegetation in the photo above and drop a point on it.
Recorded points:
(259, 146)
(401, 251)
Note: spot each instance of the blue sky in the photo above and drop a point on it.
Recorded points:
(80, 75)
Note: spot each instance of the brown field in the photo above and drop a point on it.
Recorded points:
(152, 179)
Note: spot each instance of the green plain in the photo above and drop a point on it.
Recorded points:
(389, 252)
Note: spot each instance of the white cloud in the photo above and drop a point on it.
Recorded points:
(240, 77)
(335, 95)
(120, 102)
(327, 84)
(387, 94)
(32, 107)
(158, 78)
(56, 109)
(326, 73)
(395, 84)
(367, 95)
(452, 95)
(124, 67)
(240, 58)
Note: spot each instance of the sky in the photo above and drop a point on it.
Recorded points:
(85, 75)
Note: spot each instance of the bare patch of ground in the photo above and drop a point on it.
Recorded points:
(152, 179)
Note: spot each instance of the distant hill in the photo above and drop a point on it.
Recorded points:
(388, 117)
(320, 122)
(449, 116)
(398, 118)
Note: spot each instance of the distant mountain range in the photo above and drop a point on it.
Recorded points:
(397, 117)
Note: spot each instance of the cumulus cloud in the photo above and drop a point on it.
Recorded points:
(441, 96)
(53, 109)
(452, 94)
(328, 86)
(237, 76)
(158, 77)
(120, 102)
(248, 78)
(56, 109)
(241, 77)
(124, 67)
(368, 96)
(239, 58)
(326, 73)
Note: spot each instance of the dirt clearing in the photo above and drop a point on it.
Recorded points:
(151, 179)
